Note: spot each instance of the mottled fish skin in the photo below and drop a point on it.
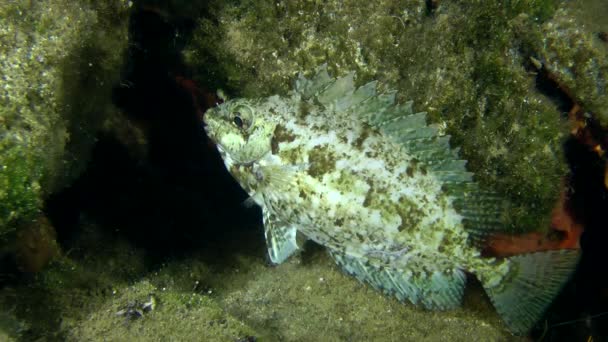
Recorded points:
(314, 166)
(344, 185)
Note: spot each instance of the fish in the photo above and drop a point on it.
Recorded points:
(383, 191)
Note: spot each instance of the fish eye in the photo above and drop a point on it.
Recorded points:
(237, 120)
(241, 117)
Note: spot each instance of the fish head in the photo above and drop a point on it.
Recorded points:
(242, 130)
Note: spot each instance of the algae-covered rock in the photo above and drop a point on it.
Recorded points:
(58, 62)
(460, 62)
(10, 327)
(574, 57)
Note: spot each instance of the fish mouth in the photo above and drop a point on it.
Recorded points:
(209, 134)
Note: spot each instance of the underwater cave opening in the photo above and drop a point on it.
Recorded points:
(178, 199)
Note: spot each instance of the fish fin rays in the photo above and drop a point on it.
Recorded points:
(482, 211)
(280, 236)
(307, 88)
(421, 141)
(275, 181)
(531, 285)
(435, 291)
(399, 121)
(338, 94)
(280, 239)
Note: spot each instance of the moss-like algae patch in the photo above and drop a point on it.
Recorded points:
(58, 62)
(574, 57)
(465, 63)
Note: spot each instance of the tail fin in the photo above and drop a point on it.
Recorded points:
(530, 286)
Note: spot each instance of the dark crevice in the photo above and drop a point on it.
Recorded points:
(177, 200)
(431, 6)
(576, 313)
(549, 87)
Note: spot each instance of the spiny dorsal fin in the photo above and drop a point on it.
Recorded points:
(399, 121)
(395, 120)
(309, 88)
(481, 210)
(339, 90)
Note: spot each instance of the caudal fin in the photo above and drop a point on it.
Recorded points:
(530, 286)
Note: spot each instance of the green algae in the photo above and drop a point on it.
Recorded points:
(58, 61)
(464, 63)
(10, 327)
(19, 188)
(574, 57)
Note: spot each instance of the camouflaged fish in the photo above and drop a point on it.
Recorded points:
(382, 190)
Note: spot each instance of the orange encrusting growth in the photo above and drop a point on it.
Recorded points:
(565, 233)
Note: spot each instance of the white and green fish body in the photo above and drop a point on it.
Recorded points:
(371, 181)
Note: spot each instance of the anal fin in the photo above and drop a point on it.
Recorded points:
(280, 238)
(435, 290)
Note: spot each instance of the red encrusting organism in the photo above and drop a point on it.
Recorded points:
(564, 233)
